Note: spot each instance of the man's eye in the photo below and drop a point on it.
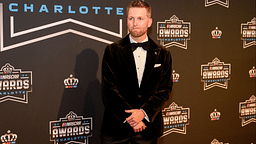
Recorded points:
(140, 18)
(130, 18)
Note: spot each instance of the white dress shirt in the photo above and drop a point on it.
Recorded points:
(140, 56)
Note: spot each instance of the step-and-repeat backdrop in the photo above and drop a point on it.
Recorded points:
(50, 69)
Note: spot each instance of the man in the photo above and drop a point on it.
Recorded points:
(136, 83)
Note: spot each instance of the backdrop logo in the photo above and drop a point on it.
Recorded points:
(71, 82)
(215, 115)
(9, 138)
(173, 32)
(248, 32)
(175, 76)
(15, 84)
(215, 141)
(175, 118)
(216, 34)
(71, 129)
(215, 73)
(252, 72)
(224, 3)
(247, 111)
(57, 9)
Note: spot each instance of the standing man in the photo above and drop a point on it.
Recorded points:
(136, 83)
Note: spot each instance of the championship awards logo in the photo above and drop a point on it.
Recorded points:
(247, 111)
(15, 84)
(174, 32)
(215, 141)
(71, 82)
(252, 72)
(216, 34)
(9, 138)
(71, 129)
(215, 73)
(248, 32)
(175, 76)
(215, 115)
(175, 119)
(224, 3)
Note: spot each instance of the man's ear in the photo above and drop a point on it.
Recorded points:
(150, 20)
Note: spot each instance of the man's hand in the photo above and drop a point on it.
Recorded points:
(139, 127)
(136, 117)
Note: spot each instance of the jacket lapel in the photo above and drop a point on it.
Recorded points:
(128, 58)
(152, 56)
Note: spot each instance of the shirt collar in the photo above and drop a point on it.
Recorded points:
(133, 41)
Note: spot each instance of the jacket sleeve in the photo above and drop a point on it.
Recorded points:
(155, 103)
(113, 101)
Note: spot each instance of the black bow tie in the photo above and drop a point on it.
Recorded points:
(144, 45)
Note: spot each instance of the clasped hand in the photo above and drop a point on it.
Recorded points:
(135, 119)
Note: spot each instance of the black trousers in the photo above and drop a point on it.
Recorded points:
(135, 139)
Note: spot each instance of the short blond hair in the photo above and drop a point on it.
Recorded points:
(140, 4)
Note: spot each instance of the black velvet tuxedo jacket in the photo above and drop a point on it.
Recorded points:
(120, 89)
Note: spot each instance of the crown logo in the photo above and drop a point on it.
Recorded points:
(7, 68)
(216, 33)
(215, 115)
(252, 72)
(9, 138)
(71, 82)
(175, 76)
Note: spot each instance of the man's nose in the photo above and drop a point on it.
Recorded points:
(135, 22)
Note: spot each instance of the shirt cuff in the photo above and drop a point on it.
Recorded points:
(146, 117)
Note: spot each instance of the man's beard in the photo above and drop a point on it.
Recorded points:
(137, 34)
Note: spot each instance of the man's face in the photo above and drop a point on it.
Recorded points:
(138, 22)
